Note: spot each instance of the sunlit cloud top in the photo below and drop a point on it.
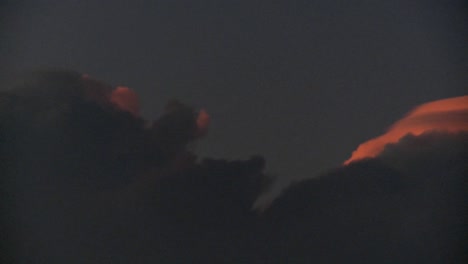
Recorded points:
(449, 115)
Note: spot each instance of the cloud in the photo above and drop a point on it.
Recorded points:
(126, 100)
(406, 205)
(442, 115)
(69, 153)
(203, 121)
(84, 182)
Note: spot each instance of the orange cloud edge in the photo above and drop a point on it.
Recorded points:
(446, 115)
(127, 100)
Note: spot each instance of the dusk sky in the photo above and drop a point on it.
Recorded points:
(366, 99)
(302, 83)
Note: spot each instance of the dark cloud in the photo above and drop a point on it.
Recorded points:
(407, 205)
(75, 163)
(86, 180)
(432, 147)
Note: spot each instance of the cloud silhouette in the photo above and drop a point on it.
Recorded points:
(404, 206)
(84, 179)
(78, 164)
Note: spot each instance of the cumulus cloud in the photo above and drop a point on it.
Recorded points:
(442, 115)
(404, 206)
(75, 149)
(84, 179)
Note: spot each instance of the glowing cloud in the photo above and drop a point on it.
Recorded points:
(449, 115)
(203, 121)
(126, 99)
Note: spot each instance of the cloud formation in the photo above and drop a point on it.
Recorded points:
(83, 179)
(126, 99)
(69, 152)
(450, 115)
(404, 206)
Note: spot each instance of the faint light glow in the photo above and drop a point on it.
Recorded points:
(126, 99)
(203, 121)
(449, 115)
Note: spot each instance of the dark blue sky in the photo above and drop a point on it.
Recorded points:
(300, 82)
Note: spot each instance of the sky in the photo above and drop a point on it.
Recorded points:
(287, 89)
(302, 83)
